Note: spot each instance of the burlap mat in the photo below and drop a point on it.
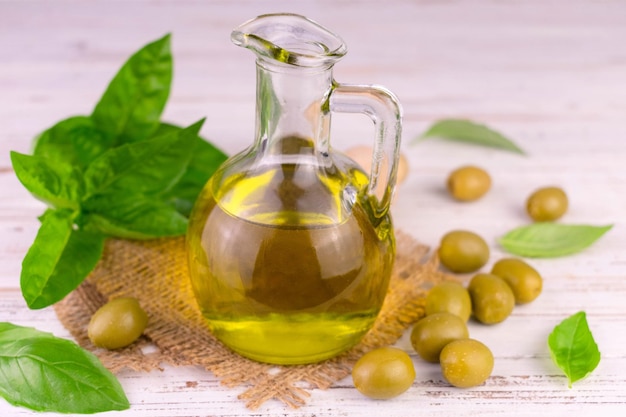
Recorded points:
(155, 272)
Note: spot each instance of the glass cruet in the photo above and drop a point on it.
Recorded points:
(290, 246)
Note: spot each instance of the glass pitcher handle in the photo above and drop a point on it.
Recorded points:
(383, 108)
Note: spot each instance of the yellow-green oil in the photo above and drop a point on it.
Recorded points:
(298, 281)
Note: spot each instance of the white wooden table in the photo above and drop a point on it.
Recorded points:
(551, 75)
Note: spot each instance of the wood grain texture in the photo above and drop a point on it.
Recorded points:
(549, 74)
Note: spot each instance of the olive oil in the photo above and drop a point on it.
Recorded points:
(298, 283)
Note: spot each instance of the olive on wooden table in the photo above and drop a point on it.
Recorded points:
(117, 324)
(449, 297)
(547, 204)
(466, 363)
(463, 251)
(492, 298)
(433, 332)
(383, 373)
(523, 279)
(468, 183)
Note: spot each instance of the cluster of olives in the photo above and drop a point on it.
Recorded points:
(511, 281)
(117, 324)
(442, 335)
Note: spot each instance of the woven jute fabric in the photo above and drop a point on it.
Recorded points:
(156, 273)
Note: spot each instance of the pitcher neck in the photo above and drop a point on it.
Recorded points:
(292, 102)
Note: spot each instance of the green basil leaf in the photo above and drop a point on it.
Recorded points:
(59, 259)
(472, 133)
(549, 240)
(55, 183)
(46, 373)
(205, 160)
(74, 141)
(132, 104)
(573, 348)
(149, 167)
(133, 217)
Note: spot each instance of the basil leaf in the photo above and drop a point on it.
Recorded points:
(205, 160)
(133, 217)
(472, 133)
(132, 104)
(58, 260)
(75, 141)
(55, 183)
(148, 167)
(548, 240)
(573, 348)
(46, 373)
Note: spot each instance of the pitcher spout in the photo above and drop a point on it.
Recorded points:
(290, 39)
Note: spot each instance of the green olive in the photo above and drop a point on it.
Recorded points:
(523, 279)
(432, 333)
(492, 298)
(547, 204)
(463, 251)
(449, 297)
(468, 183)
(383, 373)
(117, 324)
(466, 363)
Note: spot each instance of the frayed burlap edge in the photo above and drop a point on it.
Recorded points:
(155, 272)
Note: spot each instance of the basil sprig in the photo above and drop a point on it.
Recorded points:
(573, 347)
(119, 172)
(45, 373)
